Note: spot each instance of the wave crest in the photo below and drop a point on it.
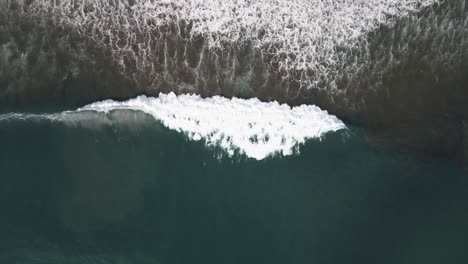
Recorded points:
(256, 129)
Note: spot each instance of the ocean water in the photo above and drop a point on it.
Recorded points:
(115, 185)
(166, 178)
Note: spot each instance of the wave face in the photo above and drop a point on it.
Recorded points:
(250, 127)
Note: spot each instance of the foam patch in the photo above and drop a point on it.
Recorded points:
(252, 127)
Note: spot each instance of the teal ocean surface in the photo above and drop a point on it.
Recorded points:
(130, 190)
(184, 169)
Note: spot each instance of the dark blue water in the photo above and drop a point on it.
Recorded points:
(140, 193)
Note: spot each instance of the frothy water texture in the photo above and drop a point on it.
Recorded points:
(254, 128)
(159, 42)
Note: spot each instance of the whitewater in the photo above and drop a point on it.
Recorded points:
(248, 126)
(240, 45)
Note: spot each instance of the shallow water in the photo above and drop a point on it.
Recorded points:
(126, 189)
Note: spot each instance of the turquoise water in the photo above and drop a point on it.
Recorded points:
(133, 191)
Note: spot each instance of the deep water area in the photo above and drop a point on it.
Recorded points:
(130, 190)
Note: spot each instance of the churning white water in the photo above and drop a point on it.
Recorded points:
(249, 126)
(255, 128)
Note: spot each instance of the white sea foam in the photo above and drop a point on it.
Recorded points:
(298, 34)
(255, 128)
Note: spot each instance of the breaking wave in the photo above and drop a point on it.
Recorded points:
(251, 127)
(395, 65)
